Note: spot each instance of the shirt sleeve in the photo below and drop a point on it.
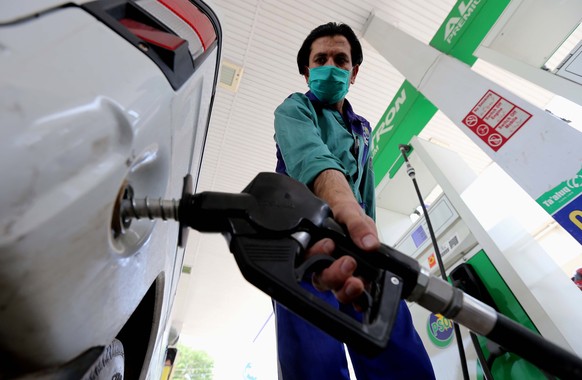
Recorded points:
(298, 136)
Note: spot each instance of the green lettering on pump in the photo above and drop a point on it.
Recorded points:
(434, 327)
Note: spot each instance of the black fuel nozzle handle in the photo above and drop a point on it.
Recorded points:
(262, 225)
(385, 258)
(271, 265)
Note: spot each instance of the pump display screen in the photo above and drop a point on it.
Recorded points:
(419, 236)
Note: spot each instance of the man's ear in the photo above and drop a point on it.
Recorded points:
(355, 70)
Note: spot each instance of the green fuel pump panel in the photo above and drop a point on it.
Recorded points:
(503, 365)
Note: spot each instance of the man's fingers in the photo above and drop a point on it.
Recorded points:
(338, 277)
(335, 276)
(352, 289)
(363, 233)
(322, 247)
(361, 227)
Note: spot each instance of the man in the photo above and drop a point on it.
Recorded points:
(324, 144)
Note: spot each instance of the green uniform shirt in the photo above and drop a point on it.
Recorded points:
(312, 138)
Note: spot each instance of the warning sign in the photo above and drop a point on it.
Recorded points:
(431, 260)
(495, 119)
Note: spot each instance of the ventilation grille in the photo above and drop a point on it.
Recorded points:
(230, 75)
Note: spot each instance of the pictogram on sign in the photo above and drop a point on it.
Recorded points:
(495, 119)
(482, 130)
(495, 140)
(431, 260)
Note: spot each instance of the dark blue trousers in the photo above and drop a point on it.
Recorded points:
(307, 353)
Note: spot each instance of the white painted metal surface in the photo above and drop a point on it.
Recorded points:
(83, 111)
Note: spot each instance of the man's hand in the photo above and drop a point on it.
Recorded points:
(332, 187)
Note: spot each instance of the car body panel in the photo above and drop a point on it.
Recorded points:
(84, 114)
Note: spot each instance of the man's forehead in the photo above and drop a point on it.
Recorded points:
(336, 43)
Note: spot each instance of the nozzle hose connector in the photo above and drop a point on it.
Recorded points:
(410, 170)
(405, 149)
(146, 208)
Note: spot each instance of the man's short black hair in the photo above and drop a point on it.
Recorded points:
(325, 30)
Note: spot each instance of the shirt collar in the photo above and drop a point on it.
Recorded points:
(356, 123)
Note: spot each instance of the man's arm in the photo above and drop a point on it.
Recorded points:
(332, 186)
(310, 161)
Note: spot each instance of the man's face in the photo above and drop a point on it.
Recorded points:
(334, 51)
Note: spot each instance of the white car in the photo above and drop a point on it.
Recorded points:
(98, 100)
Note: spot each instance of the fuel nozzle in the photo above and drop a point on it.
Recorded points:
(151, 209)
(141, 208)
(204, 212)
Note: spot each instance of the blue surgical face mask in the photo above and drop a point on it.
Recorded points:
(329, 83)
